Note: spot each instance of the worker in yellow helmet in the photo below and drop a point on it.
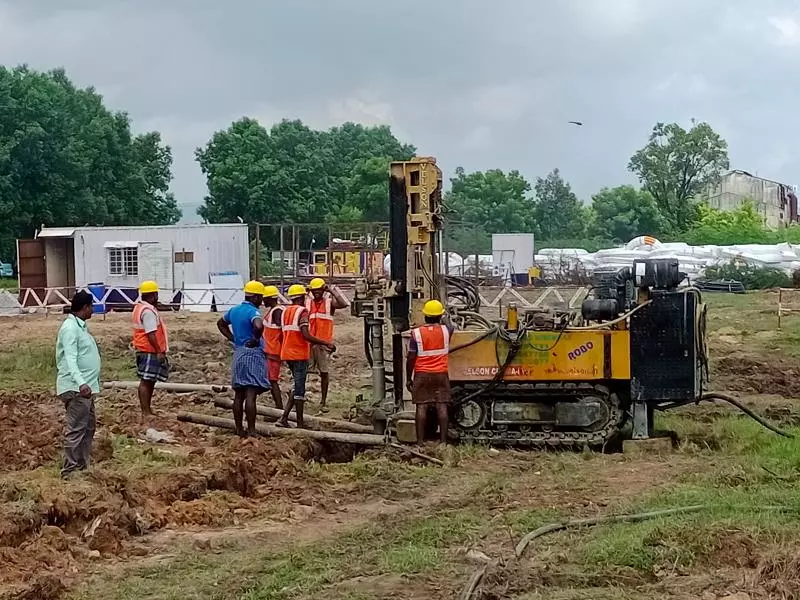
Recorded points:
(151, 343)
(243, 327)
(427, 367)
(296, 351)
(322, 302)
(273, 336)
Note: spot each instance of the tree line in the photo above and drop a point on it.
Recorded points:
(65, 159)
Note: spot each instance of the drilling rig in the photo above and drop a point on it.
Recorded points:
(541, 377)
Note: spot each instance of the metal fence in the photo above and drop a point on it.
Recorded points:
(49, 300)
(282, 252)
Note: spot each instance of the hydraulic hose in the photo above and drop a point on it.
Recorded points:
(711, 396)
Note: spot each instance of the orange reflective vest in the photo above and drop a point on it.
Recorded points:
(294, 345)
(141, 341)
(320, 317)
(433, 345)
(272, 332)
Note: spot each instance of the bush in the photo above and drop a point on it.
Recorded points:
(753, 278)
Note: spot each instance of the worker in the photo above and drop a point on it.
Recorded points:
(322, 302)
(427, 370)
(296, 350)
(243, 327)
(273, 326)
(151, 343)
(78, 364)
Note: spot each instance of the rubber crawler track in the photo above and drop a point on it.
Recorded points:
(540, 392)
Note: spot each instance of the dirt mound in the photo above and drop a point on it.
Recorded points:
(18, 520)
(245, 464)
(36, 421)
(743, 373)
(48, 586)
(779, 574)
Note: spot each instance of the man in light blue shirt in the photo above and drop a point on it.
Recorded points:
(78, 364)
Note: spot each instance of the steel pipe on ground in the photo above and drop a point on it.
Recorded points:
(169, 387)
(316, 422)
(362, 439)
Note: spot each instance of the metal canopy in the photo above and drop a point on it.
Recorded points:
(56, 232)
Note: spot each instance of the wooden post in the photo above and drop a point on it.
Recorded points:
(294, 251)
(329, 254)
(477, 261)
(780, 305)
(282, 263)
(258, 252)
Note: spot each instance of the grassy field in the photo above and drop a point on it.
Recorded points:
(751, 522)
(385, 527)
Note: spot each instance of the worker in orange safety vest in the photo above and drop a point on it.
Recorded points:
(273, 336)
(427, 370)
(151, 343)
(296, 350)
(322, 302)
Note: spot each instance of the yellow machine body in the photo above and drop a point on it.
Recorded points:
(544, 356)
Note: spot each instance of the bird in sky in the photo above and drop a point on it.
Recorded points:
(578, 123)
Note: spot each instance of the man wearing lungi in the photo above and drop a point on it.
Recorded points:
(427, 366)
(242, 325)
(151, 343)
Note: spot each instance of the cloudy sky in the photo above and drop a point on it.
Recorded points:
(475, 83)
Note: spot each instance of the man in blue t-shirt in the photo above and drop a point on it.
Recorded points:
(242, 326)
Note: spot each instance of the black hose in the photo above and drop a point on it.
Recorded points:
(711, 396)
(473, 341)
(499, 376)
(465, 291)
(367, 343)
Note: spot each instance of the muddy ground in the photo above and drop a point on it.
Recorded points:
(145, 504)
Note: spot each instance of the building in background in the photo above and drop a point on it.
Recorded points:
(512, 256)
(775, 201)
(176, 256)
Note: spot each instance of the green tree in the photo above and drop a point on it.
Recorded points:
(359, 169)
(743, 225)
(558, 213)
(623, 212)
(495, 201)
(292, 173)
(677, 165)
(66, 160)
(262, 176)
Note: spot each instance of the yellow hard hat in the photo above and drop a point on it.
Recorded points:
(270, 291)
(255, 288)
(296, 290)
(316, 284)
(433, 308)
(148, 287)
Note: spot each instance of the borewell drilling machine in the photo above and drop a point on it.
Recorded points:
(540, 377)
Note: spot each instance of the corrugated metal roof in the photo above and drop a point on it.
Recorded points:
(56, 232)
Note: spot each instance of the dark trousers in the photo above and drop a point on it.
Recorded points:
(299, 369)
(79, 432)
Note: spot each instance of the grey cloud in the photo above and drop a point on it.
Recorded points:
(478, 84)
